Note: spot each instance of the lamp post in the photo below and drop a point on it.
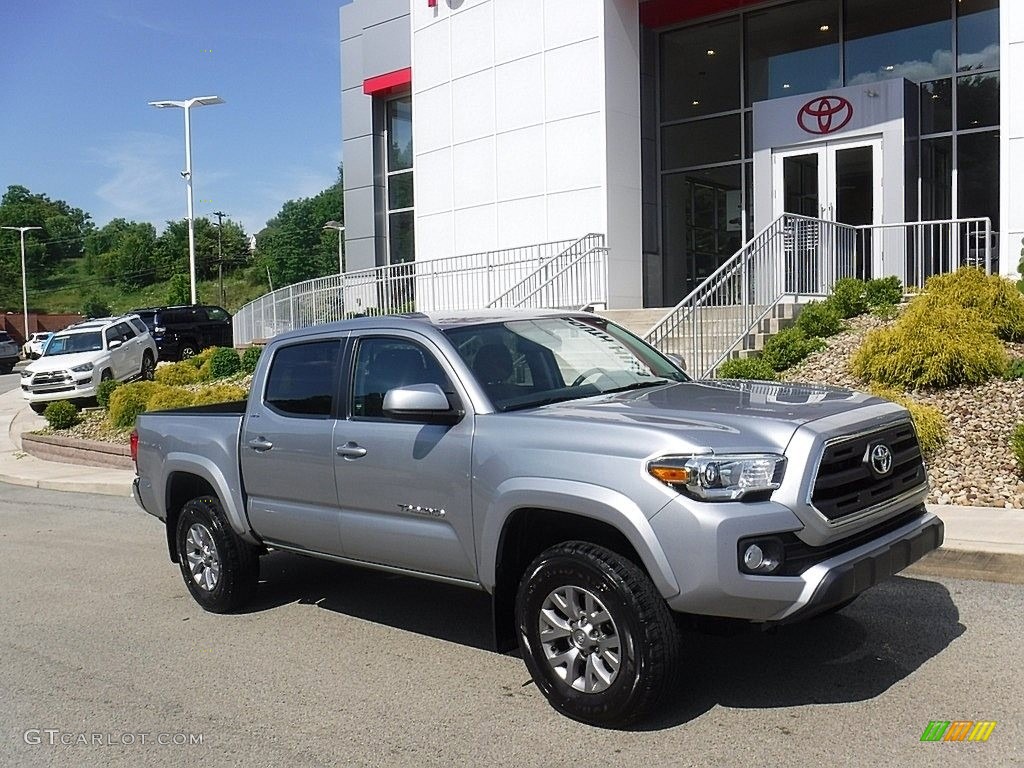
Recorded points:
(341, 241)
(186, 105)
(24, 283)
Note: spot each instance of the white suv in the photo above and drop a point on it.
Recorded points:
(78, 358)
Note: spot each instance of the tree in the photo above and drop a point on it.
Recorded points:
(123, 253)
(171, 250)
(294, 244)
(178, 291)
(93, 306)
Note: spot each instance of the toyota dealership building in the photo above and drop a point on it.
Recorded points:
(675, 128)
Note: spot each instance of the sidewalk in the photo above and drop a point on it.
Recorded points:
(981, 542)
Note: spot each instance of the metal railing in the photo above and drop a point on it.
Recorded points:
(542, 283)
(797, 257)
(453, 283)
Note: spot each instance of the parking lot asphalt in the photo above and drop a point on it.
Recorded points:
(100, 643)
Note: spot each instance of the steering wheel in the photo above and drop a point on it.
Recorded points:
(586, 375)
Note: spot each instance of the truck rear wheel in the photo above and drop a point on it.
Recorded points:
(598, 639)
(219, 569)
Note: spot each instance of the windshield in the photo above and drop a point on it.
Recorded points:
(70, 343)
(528, 363)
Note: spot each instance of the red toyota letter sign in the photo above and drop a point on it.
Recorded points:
(825, 114)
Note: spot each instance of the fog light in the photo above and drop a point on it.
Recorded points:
(753, 558)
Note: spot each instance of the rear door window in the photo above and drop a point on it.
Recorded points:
(218, 314)
(303, 379)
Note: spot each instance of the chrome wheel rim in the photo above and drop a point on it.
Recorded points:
(147, 368)
(203, 558)
(580, 640)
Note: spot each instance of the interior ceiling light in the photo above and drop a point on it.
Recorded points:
(711, 51)
(889, 68)
(785, 85)
(824, 28)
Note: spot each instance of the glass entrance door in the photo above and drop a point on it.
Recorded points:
(838, 181)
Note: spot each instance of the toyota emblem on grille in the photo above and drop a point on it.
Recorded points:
(825, 114)
(880, 458)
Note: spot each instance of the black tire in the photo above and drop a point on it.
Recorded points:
(38, 407)
(186, 350)
(646, 632)
(107, 375)
(5, 369)
(239, 565)
(148, 370)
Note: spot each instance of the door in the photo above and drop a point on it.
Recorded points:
(287, 453)
(403, 487)
(838, 181)
(121, 356)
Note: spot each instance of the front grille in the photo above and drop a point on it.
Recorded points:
(846, 485)
(47, 379)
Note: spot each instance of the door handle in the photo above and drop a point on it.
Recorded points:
(351, 450)
(260, 444)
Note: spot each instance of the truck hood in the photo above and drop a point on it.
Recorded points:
(62, 362)
(717, 414)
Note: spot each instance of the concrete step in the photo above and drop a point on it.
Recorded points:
(639, 321)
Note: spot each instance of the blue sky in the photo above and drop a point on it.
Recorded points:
(75, 125)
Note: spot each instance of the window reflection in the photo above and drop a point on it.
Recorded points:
(792, 49)
(977, 101)
(977, 31)
(937, 178)
(700, 70)
(886, 39)
(977, 175)
(701, 142)
(936, 106)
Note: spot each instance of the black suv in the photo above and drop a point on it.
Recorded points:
(180, 332)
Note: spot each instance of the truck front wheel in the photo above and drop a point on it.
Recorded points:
(220, 570)
(598, 639)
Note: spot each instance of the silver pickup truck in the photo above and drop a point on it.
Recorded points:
(558, 463)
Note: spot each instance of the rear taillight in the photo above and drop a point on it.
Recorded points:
(134, 443)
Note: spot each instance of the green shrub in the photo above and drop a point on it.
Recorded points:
(819, 318)
(746, 368)
(1017, 446)
(170, 397)
(220, 393)
(104, 390)
(883, 292)
(1015, 370)
(61, 415)
(198, 361)
(224, 362)
(129, 401)
(849, 297)
(931, 346)
(250, 358)
(177, 374)
(929, 421)
(787, 348)
(995, 298)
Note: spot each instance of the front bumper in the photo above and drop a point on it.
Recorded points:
(69, 388)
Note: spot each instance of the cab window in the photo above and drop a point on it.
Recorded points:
(383, 364)
(303, 379)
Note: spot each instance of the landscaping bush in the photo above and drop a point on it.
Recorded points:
(883, 292)
(849, 297)
(1015, 370)
(170, 397)
(929, 421)
(198, 361)
(129, 401)
(931, 346)
(995, 298)
(250, 358)
(746, 368)
(787, 348)
(220, 393)
(224, 362)
(61, 415)
(104, 390)
(177, 374)
(819, 318)
(1017, 446)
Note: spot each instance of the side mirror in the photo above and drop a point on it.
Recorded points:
(678, 360)
(425, 403)
(114, 343)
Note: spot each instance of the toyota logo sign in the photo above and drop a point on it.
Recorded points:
(825, 114)
(880, 458)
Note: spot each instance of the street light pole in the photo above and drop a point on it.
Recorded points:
(341, 242)
(187, 105)
(24, 282)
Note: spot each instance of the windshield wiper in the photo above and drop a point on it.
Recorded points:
(547, 401)
(638, 385)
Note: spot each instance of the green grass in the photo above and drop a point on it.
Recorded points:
(65, 289)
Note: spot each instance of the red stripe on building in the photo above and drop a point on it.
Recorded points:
(381, 85)
(661, 13)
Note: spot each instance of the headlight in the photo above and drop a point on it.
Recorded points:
(82, 368)
(26, 374)
(720, 478)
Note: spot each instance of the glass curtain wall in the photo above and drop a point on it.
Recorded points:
(711, 73)
(398, 133)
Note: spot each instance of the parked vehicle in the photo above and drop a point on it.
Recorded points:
(8, 353)
(33, 348)
(78, 358)
(556, 462)
(181, 332)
